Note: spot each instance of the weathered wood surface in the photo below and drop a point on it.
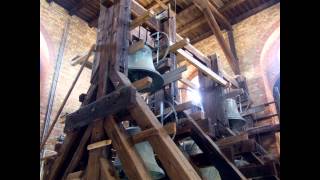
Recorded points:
(172, 159)
(132, 163)
(107, 105)
(107, 171)
(142, 83)
(226, 168)
(99, 144)
(70, 141)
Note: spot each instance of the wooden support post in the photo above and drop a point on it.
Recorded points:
(213, 102)
(216, 30)
(75, 176)
(107, 172)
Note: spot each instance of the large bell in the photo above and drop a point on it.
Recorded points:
(236, 121)
(146, 153)
(140, 65)
(207, 173)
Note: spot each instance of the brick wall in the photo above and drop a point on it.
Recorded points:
(250, 36)
(257, 42)
(80, 37)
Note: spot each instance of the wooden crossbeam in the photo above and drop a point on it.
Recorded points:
(202, 5)
(170, 128)
(264, 129)
(202, 68)
(232, 139)
(98, 144)
(192, 25)
(141, 19)
(188, 83)
(142, 83)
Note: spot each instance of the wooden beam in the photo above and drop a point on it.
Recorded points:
(77, 7)
(142, 83)
(264, 129)
(226, 168)
(231, 4)
(141, 19)
(254, 11)
(251, 171)
(232, 139)
(156, 4)
(216, 30)
(201, 37)
(241, 147)
(188, 83)
(203, 68)
(170, 128)
(192, 25)
(232, 46)
(174, 47)
(202, 5)
(77, 156)
(98, 144)
(107, 171)
(133, 166)
(75, 175)
(168, 153)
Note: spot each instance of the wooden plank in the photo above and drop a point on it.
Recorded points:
(132, 163)
(77, 156)
(99, 144)
(69, 142)
(75, 176)
(173, 75)
(138, 10)
(141, 19)
(216, 30)
(199, 115)
(204, 4)
(176, 165)
(107, 105)
(241, 147)
(263, 129)
(260, 118)
(174, 47)
(232, 139)
(188, 83)
(107, 171)
(203, 68)
(142, 83)
(226, 168)
(258, 170)
(192, 25)
(170, 128)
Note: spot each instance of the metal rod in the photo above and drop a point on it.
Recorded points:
(66, 98)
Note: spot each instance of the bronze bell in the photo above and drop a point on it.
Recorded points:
(140, 65)
(236, 121)
(146, 153)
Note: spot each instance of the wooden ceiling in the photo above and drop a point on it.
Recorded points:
(190, 21)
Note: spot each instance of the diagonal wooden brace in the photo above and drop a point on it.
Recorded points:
(107, 105)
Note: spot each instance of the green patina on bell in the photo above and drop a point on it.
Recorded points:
(236, 121)
(146, 153)
(207, 173)
(140, 65)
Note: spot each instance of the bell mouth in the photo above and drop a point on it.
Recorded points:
(137, 74)
(237, 123)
